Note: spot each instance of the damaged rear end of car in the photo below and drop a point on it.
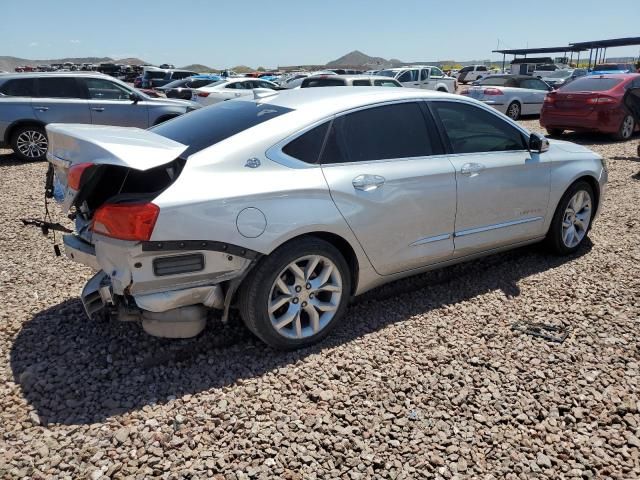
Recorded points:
(106, 179)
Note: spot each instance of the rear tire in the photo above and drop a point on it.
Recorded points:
(295, 296)
(627, 127)
(572, 219)
(555, 132)
(514, 110)
(30, 143)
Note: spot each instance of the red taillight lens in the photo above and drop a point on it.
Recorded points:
(203, 94)
(464, 91)
(493, 91)
(126, 221)
(74, 176)
(601, 100)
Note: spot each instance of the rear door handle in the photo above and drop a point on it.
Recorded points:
(98, 109)
(367, 183)
(471, 169)
(42, 109)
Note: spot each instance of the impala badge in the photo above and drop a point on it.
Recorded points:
(252, 163)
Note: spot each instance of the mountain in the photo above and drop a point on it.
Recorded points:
(10, 63)
(359, 59)
(199, 68)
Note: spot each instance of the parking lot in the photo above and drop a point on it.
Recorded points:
(425, 377)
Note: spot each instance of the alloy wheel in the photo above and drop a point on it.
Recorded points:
(627, 127)
(514, 111)
(576, 218)
(32, 144)
(305, 297)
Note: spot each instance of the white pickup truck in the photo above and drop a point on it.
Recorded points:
(422, 76)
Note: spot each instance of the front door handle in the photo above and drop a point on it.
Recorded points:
(471, 169)
(98, 109)
(42, 109)
(367, 183)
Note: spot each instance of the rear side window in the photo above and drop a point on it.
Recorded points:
(207, 126)
(379, 133)
(534, 84)
(322, 82)
(19, 87)
(307, 146)
(60, 87)
(591, 84)
(471, 129)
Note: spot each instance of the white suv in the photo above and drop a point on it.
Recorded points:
(472, 73)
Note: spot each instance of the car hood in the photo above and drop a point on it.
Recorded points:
(174, 101)
(569, 147)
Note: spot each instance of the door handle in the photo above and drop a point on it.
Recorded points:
(42, 109)
(471, 169)
(98, 109)
(367, 183)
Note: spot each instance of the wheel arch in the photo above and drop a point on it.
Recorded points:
(342, 245)
(21, 123)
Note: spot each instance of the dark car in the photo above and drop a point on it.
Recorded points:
(183, 88)
(156, 77)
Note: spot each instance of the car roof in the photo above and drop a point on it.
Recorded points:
(54, 74)
(331, 100)
(621, 76)
(513, 76)
(353, 76)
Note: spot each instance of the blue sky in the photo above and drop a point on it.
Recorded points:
(286, 32)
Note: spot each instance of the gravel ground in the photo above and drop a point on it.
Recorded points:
(424, 378)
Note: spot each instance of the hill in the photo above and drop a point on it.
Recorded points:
(199, 68)
(357, 58)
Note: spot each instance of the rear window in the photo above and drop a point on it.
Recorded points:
(498, 82)
(205, 127)
(19, 87)
(591, 84)
(387, 73)
(181, 75)
(605, 67)
(152, 74)
(322, 82)
(386, 83)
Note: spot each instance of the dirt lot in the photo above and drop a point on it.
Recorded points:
(425, 377)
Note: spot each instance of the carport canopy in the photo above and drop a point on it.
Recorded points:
(532, 51)
(600, 46)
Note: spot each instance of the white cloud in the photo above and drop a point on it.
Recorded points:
(33, 44)
(74, 41)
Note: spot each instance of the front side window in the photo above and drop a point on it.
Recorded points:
(482, 69)
(378, 133)
(436, 72)
(424, 74)
(472, 129)
(405, 77)
(19, 87)
(100, 89)
(534, 84)
(60, 87)
(233, 85)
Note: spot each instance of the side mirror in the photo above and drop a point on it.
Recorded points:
(538, 143)
(134, 97)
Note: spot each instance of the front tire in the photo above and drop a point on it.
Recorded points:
(296, 296)
(30, 143)
(627, 127)
(572, 219)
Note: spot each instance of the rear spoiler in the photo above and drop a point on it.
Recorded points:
(122, 146)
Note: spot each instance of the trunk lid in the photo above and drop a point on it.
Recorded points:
(573, 103)
(117, 151)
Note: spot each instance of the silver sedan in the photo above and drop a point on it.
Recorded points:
(289, 204)
(513, 95)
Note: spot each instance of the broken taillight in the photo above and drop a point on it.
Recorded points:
(126, 221)
(74, 176)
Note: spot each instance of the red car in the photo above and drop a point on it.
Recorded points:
(591, 103)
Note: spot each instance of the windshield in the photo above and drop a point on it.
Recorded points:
(153, 74)
(387, 73)
(590, 84)
(177, 83)
(205, 127)
(560, 74)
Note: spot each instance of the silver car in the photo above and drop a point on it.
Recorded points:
(289, 204)
(29, 101)
(513, 95)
